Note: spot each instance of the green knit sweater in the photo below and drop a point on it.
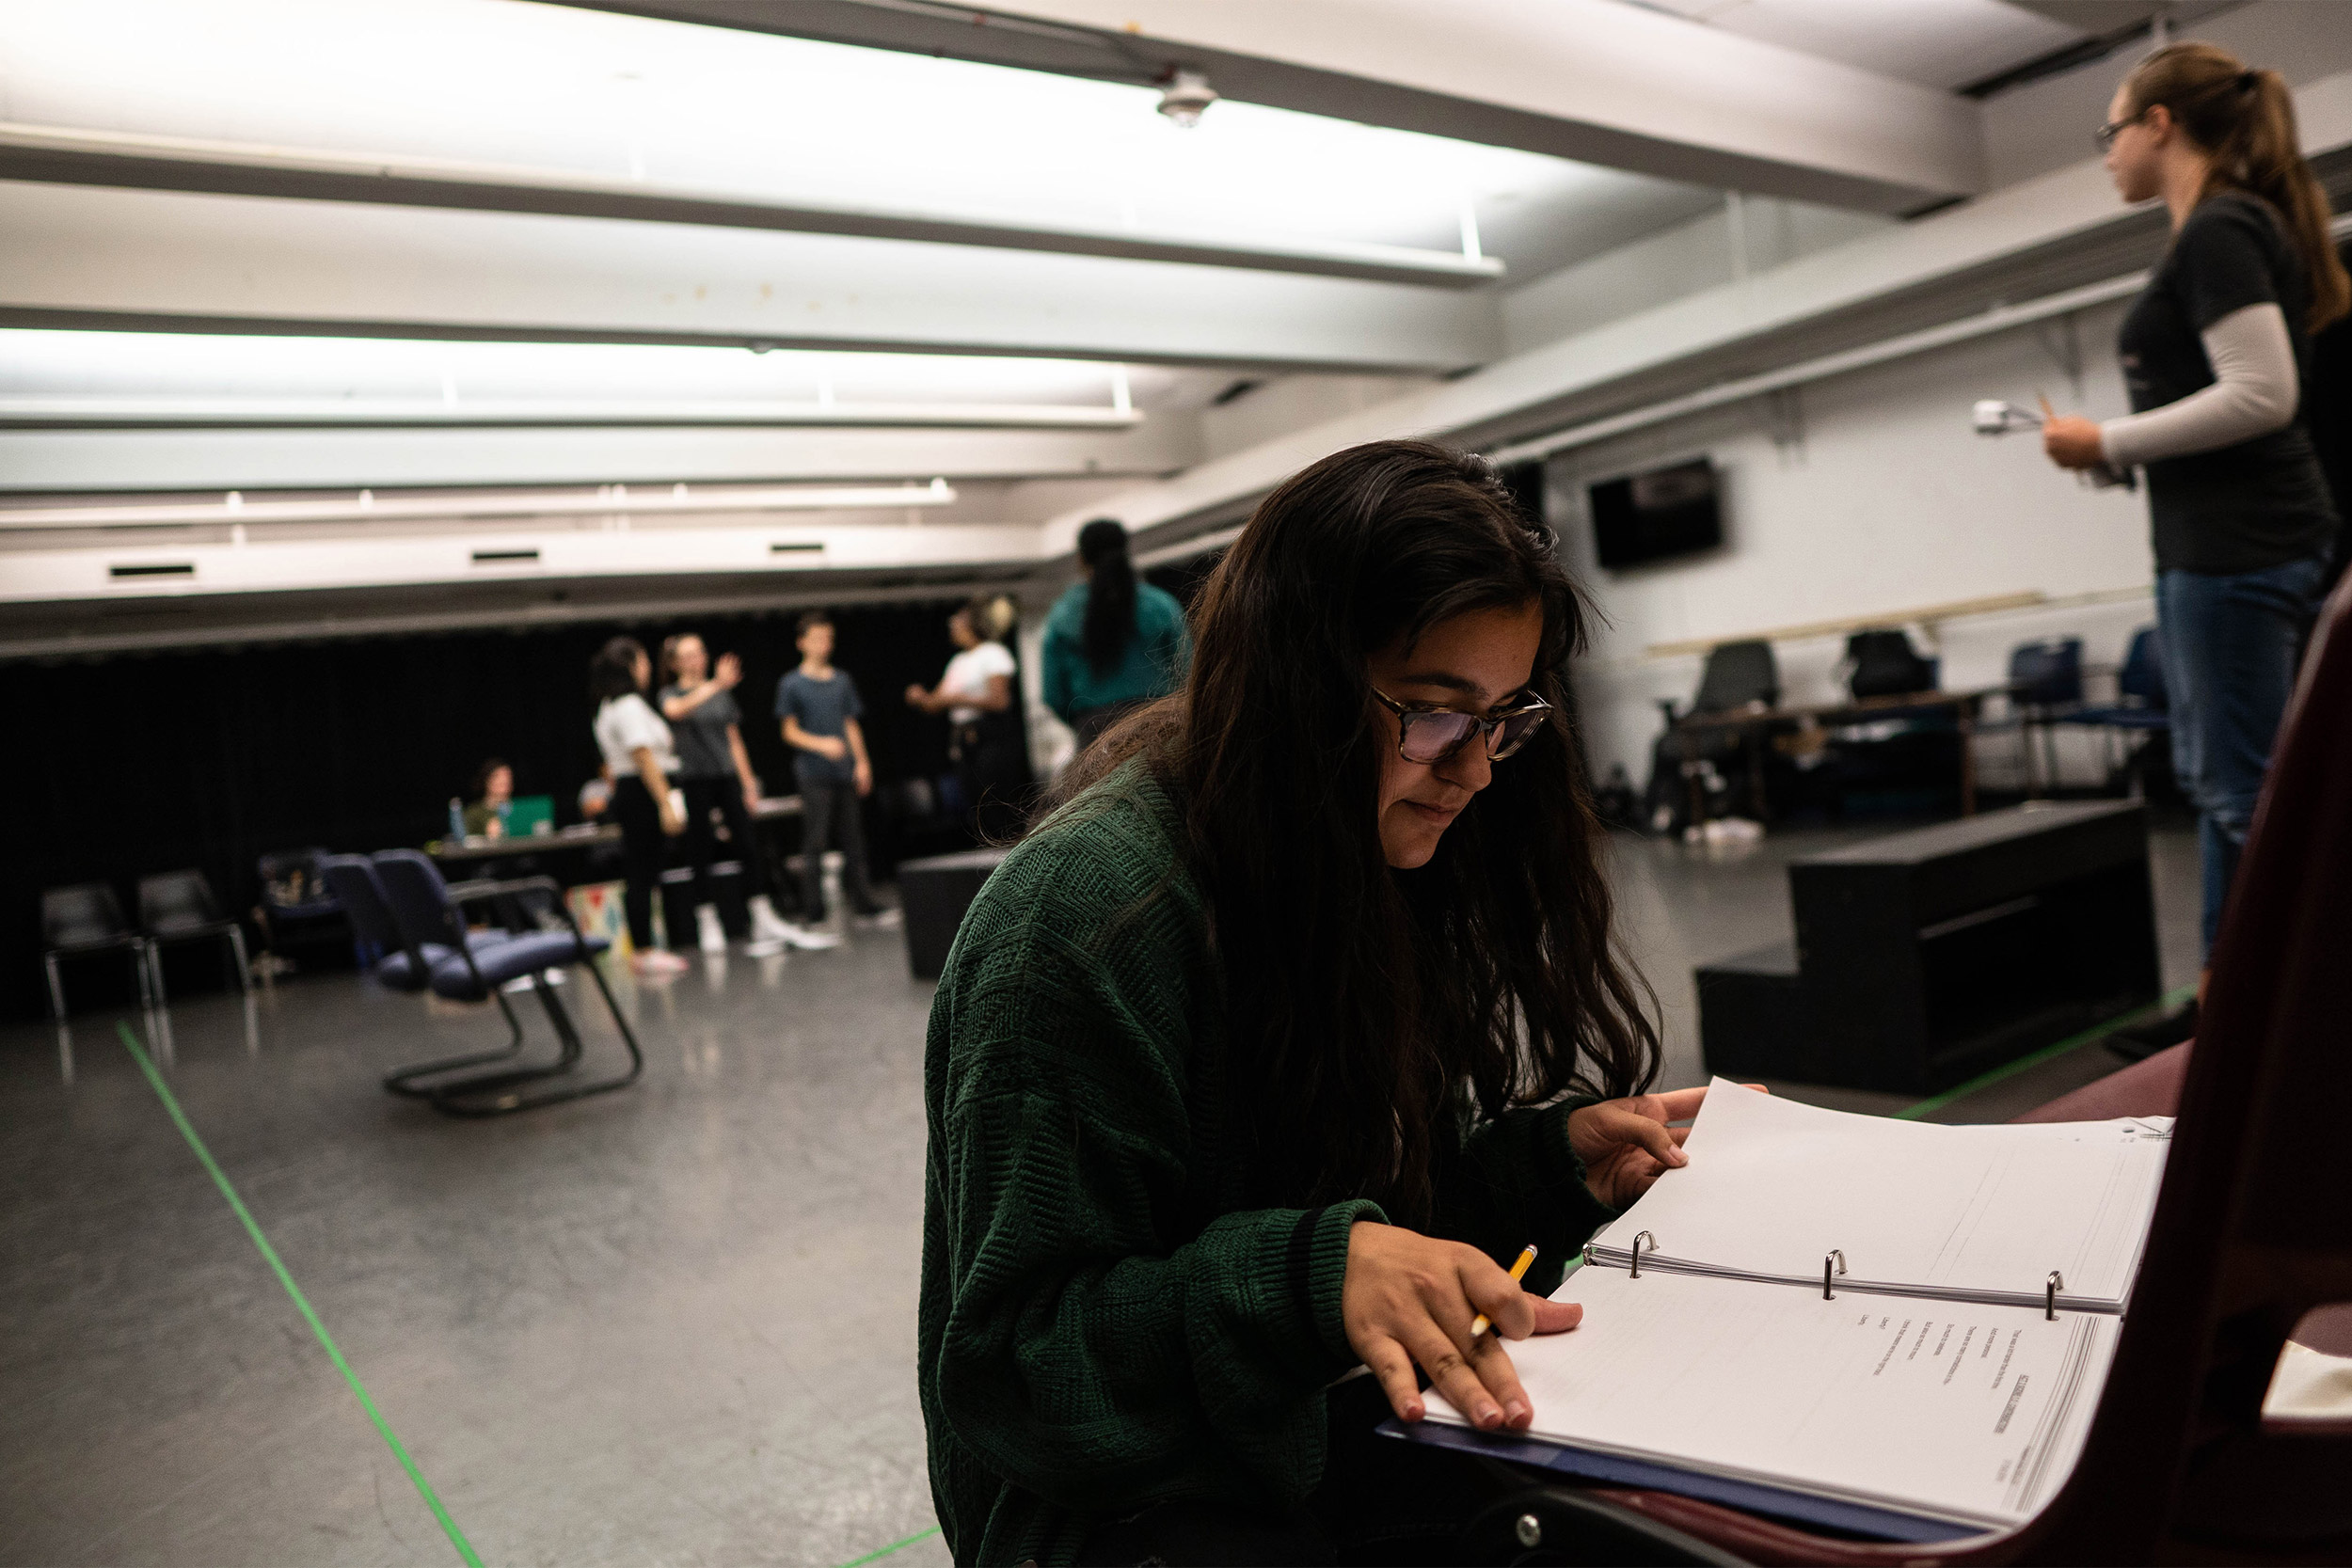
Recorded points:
(1103, 1323)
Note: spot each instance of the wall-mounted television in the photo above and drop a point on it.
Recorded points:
(1657, 514)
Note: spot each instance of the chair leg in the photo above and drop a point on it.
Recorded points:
(244, 967)
(155, 959)
(56, 990)
(403, 1081)
(466, 1100)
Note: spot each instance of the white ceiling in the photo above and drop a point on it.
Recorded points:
(1937, 43)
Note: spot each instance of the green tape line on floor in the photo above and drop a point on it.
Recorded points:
(873, 1556)
(269, 1255)
(2010, 1069)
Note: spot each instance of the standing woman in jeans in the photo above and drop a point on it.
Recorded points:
(2216, 352)
(637, 748)
(1112, 644)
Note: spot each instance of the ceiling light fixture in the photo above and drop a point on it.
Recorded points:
(512, 503)
(1187, 98)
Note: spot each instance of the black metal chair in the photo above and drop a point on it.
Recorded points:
(179, 906)
(430, 914)
(2046, 685)
(82, 920)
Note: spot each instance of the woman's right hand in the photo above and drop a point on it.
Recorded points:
(730, 670)
(1408, 1300)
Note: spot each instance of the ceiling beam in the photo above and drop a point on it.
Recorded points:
(77, 256)
(93, 157)
(1594, 80)
(117, 462)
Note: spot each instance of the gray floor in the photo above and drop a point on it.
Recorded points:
(671, 1325)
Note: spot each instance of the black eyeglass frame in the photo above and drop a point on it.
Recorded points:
(1487, 726)
(2104, 137)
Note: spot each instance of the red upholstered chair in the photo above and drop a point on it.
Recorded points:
(2252, 1228)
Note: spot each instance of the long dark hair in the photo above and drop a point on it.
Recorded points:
(1110, 623)
(1362, 1001)
(613, 673)
(2245, 120)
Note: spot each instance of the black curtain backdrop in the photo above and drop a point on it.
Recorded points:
(132, 765)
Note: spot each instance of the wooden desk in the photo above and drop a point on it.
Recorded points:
(1964, 705)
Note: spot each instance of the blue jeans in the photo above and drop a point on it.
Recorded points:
(2229, 650)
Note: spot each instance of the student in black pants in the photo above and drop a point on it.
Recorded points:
(699, 702)
(820, 710)
(637, 749)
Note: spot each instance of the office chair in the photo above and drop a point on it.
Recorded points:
(179, 906)
(2141, 706)
(295, 895)
(406, 966)
(2045, 682)
(1736, 676)
(2251, 1236)
(84, 919)
(430, 913)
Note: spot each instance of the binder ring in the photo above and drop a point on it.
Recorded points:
(1836, 1259)
(1635, 1273)
(2049, 1299)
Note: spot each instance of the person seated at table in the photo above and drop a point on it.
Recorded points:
(492, 797)
(1261, 1057)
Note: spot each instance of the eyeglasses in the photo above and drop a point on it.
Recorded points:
(2107, 134)
(1428, 733)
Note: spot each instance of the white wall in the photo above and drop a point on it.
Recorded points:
(1890, 502)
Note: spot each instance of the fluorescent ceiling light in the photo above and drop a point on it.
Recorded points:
(606, 500)
(643, 101)
(186, 413)
(66, 378)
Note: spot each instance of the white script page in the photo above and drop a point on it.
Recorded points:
(1772, 1186)
(1964, 1411)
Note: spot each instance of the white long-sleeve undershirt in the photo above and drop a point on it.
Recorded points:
(2254, 391)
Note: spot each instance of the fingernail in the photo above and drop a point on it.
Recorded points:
(1488, 1414)
(1513, 1413)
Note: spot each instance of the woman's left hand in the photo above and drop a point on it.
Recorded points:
(1625, 1144)
(2073, 442)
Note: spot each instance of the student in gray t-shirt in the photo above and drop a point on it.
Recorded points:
(715, 774)
(819, 705)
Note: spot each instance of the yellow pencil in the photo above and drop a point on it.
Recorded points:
(1518, 1270)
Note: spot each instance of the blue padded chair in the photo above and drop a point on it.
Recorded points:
(406, 966)
(2141, 706)
(2045, 686)
(429, 913)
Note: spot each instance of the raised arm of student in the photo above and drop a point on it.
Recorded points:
(729, 671)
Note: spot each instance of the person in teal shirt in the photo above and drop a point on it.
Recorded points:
(1112, 642)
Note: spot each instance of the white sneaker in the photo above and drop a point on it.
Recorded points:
(711, 935)
(764, 947)
(880, 920)
(808, 940)
(653, 963)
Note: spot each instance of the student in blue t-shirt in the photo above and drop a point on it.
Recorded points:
(820, 710)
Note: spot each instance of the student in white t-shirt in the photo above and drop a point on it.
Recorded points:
(985, 736)
(642, 760)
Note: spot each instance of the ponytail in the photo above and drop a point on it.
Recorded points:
(1110, 623)
(2245, 121)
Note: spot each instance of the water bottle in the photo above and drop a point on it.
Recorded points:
(456, 820)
